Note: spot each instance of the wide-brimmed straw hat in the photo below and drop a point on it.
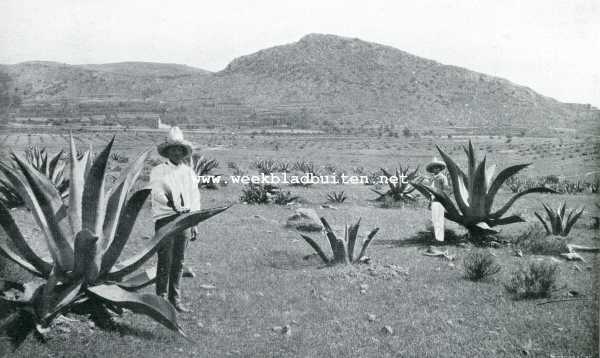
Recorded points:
(435, 162)
(174, 138)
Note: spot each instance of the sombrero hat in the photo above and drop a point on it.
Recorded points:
(435, 162)
(174, 138)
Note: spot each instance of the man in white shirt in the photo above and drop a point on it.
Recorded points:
(174, 191)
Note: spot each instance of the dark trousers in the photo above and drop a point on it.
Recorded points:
(171, 254)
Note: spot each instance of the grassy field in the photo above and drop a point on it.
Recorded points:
(262, 279)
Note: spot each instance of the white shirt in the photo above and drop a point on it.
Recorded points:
(181, 181)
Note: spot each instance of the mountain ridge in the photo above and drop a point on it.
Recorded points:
(321, 78)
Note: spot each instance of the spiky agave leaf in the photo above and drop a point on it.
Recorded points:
(139, 280)
(93, 212)
(366, 244)
(117, 198)
(46, 205)
(150, 305)
(42, 268)
(557, 224)
(351, 239)
(317, 248)
(77, 182)
(184, 221)
(125, 225)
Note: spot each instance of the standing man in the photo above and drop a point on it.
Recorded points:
(439, 182)
(174, 191)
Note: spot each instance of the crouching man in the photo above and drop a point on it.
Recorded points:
(174, 191)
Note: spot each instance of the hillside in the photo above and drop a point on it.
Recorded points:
(321, 79)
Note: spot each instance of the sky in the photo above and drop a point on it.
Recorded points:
(551, 46)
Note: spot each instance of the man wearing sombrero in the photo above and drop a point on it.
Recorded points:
(174, 191)
(438, 182)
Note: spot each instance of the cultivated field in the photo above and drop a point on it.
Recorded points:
(254, 275)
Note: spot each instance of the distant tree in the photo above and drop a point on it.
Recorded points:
(406, 132)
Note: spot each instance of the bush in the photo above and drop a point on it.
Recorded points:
(533, 280)
(284, 198)
(480, 264)
(536, 241)
(255, 194)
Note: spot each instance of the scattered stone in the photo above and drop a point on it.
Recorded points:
(305, 220)
(364, 260)
(519, 253)
(287, 330)
(207, 287)
(327, 206)
(572, 256)
(387, 330)
(200, 324)
(188, 272)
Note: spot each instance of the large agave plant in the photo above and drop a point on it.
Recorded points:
(400, 188)
(557, 223)
(85, 239)
(474, 193)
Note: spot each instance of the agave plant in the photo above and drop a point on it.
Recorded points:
(336, 197)
(475, 192)
(557, 224)
(203, 167)
(51, 167)
(342, 249)
(399, 184)
(85, 239)
(266, 166)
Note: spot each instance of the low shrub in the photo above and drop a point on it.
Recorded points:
(255, 194)
(480, 264)
(535, 279)
(536, 241)
(284, 198)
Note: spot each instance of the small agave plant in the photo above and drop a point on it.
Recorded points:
(85, 239)
(342, 249)
(475, 192)
(557, 223)
(400, 189)
(51, 167)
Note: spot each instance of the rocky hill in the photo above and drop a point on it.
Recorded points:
(329, 79)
